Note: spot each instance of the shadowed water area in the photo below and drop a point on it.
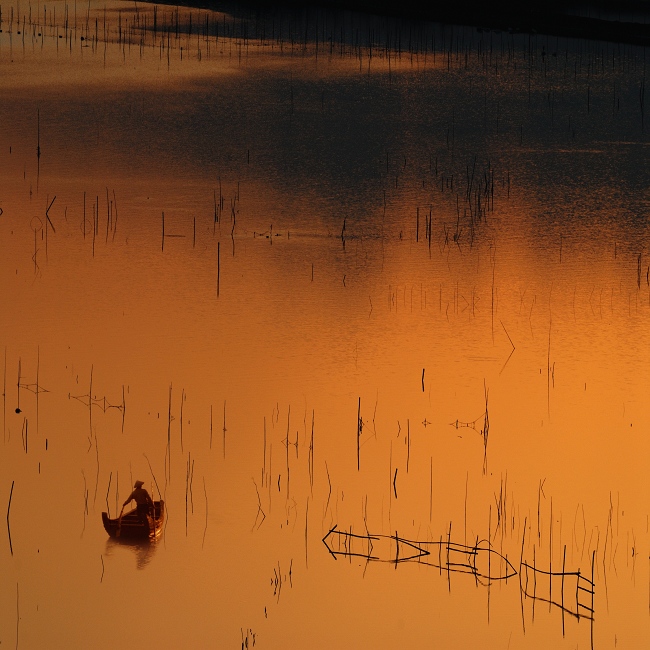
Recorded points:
(365, 301)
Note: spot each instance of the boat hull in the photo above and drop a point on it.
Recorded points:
(130, 527)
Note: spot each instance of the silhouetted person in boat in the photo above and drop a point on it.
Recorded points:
(143, 501)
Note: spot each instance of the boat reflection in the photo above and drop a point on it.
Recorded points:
(143, 550)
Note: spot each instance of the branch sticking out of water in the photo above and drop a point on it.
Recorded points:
(11, 548)
(205, 530)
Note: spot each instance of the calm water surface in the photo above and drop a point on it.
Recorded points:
(365, 302)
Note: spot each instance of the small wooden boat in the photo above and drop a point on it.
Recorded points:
(129, 525)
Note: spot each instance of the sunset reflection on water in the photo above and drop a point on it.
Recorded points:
(430, 332)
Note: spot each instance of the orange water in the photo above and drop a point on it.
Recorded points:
(227, 363)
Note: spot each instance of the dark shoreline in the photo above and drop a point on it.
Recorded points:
(552, 18)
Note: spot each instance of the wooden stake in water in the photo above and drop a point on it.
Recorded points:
(4, 399)
(38, 135)
(224, 428)
(448, 566)
(306, 524)
(286, 444)
(108, 215)
(359, 425)
(218, 266)
(264, 455)
(181, 416)
(216, 217)
(169, 434)
(489, 583)
(90, 401)
(11, 493)
(521, 561)
(430, 488)
(205, 530)
(466, 481)
(562, 594)
(408, 443)
(18, 392)
(550, 560)
(311, 455)
(593, 561)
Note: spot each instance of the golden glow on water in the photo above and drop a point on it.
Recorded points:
(499, 367)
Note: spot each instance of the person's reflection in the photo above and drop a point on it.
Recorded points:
(142, 549)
